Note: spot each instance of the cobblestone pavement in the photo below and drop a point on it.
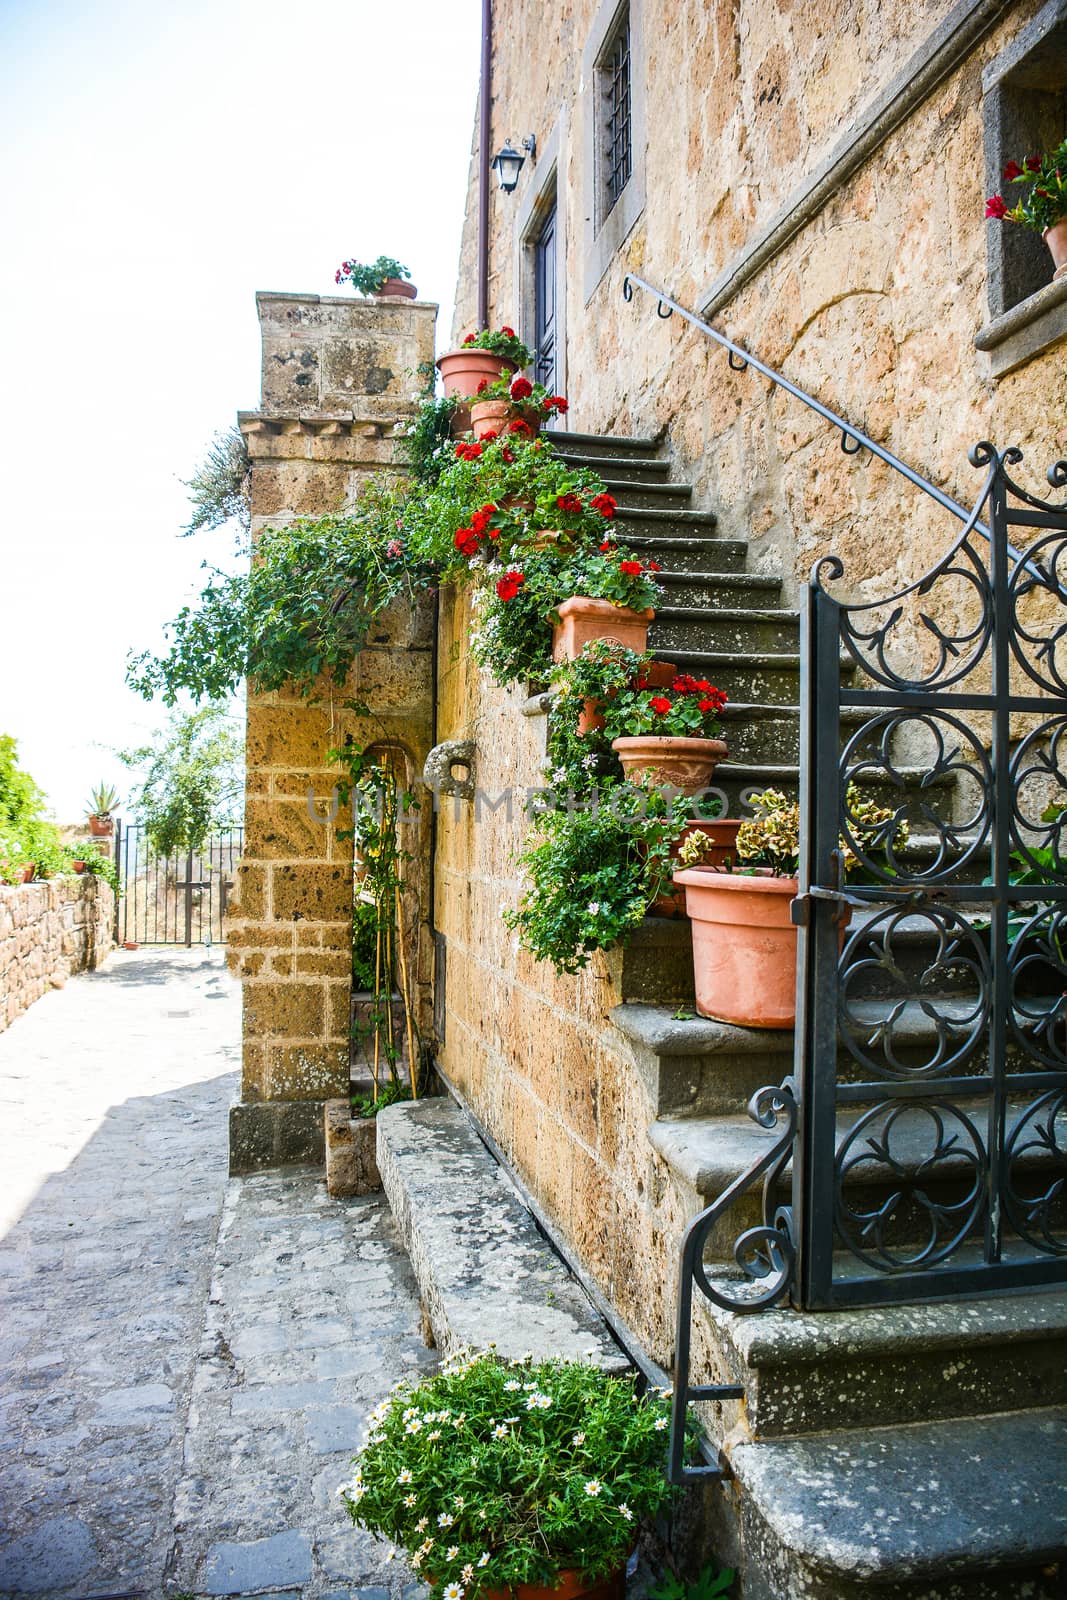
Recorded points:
(184, 1359)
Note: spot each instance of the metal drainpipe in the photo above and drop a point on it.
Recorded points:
(484, 136)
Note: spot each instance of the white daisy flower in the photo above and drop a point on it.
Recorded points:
(410, 1500)
(593, 908)
(404, 1475)
(452, 1552)
(458, 1500)
(453, 1591)
(624, 1511)
(539, 1402)
(416, 1560)
(592, 1488)
(414, 1426)
(513, 1383)
(660, 1423)
(467, 1573)
(435, 1434)
(422, 1524)
(392, 1553)
(483, 1559)
(445, 1520)
(578, 1438)
(500, 1431)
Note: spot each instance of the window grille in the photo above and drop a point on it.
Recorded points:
(618, 147)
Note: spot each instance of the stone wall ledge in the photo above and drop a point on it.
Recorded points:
(1026, 330)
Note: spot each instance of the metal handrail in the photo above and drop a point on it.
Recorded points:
(853, 439)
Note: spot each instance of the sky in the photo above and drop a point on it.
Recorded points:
(159, 164)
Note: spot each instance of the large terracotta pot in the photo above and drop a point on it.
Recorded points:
(493, 416)
(582, 620)
(1056, 239)
(669, 761)
(571, 1586)
(722, 831)
(396, 289)
(462, 371)
(101, 827)
(744, 946)
(659, 674)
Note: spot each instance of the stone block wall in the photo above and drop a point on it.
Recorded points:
(338, 380)
(49, 931)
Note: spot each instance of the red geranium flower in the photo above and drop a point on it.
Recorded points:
(509, 331)
(607, 547)
(466, 542)
(654, 566)
(995, 207)
(483, 386)
(605, 504)
(660, 706)
(568, 502)
(706, 705)
(467, 451)
(556, 402)
(506, 455)
(519, 426)
(632, 569)
(1033, 163)
(487, 438)
(469, 339)
(521, 388)
(642, 683)
(1012, 171)
(509, 585)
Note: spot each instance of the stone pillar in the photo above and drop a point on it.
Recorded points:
(338, 380)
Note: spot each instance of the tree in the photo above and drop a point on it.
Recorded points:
(219, 488)
(193, 778)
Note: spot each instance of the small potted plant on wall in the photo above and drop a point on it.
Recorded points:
(102, 801)
(384, 278)
(1042, 202)
(667, 736)
(613, 596)
(521, 1479)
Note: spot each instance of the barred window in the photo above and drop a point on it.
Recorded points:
(617, 132)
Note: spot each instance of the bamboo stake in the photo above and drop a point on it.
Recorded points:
(404, 990)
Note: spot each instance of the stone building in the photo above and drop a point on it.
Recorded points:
(810, 179)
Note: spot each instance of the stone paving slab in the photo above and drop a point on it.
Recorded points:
(311, 1318)
(114, 1110)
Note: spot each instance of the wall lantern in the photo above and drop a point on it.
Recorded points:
(509, 162)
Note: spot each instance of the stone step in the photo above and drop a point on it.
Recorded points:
(740, 631)
(806, 1371)
(625, 468)
(974, 1509)
(714, 590)
(636, 491)
(568, 442)
(771, 677)
(707, 554)
(671, 524)
(485, 1272)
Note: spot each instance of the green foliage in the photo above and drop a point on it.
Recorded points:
(97, 864)
(687, 709)
(496, 1473)
(102, 800)
(592, 870)
(366, 1106)
(712, 1583)
(427, 446)
(301, 610)
(220, 488)
(368, 277)
(193, 778)
(501, 342)
(27, 836)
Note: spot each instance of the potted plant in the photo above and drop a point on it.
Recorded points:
(513, 405)
(669, 735)
(1043, 205)
(383, 278)
(484, 356)
(495, 1476)
(744, 941)
(102, 801)
(612, 598)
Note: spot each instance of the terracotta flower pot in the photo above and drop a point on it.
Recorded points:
(396, 289)
(462, 371)
(101, 827)
(493, 416)
(1056, 239)
(659, 674)
(27, 873)
(571, 1586)
(744, 946)
(78, 867)
(669, 761)
(722, 831)
(582, 620)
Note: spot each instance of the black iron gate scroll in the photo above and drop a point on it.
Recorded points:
(931, 1156)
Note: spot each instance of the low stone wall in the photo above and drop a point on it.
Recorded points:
(47, 932)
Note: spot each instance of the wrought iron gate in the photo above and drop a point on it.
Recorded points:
(175, 899)
(931, 1158)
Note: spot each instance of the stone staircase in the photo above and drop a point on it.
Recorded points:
(904, 1452)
